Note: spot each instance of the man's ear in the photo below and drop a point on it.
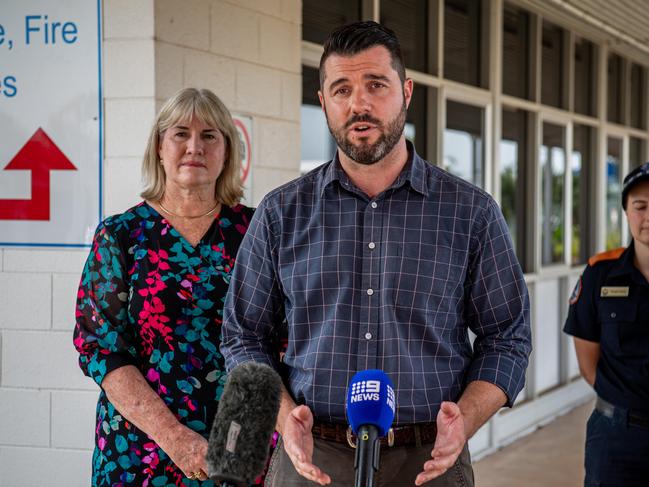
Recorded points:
(408, 86)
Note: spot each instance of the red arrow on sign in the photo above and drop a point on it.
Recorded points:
(40, 156)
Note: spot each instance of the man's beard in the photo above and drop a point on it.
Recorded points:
(364, 153)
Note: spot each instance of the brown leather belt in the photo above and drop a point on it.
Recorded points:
(607, 409)
(407, 435)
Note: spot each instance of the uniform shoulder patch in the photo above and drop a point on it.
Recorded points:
(576, 292)
(608, 255)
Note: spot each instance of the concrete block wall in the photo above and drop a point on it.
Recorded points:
(46, 404)
(246, 51)
(129, 97)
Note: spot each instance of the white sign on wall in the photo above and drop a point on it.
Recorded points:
(244, 127)
(50, 122)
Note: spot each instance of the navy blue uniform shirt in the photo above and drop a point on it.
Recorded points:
(610, 305)
(393, 282)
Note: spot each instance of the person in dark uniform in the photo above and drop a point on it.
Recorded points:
(609, 320)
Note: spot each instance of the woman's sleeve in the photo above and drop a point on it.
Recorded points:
(102, 335)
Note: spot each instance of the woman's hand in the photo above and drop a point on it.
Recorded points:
(133, 397)
(187, 449)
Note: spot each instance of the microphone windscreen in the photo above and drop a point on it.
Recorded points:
(370, 401)
(244, 423)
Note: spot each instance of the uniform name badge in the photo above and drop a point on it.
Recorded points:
(614, 292)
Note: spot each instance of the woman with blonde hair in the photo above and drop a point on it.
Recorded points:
(149, 306)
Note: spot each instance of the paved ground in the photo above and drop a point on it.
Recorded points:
(552, 456)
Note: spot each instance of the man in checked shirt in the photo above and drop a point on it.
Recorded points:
(379, 260)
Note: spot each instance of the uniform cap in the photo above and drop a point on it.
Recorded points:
(640, 173)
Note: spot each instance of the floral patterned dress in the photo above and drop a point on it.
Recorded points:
(149, 299)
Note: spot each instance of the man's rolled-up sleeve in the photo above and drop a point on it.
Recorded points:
(254, 303)
(498, 308)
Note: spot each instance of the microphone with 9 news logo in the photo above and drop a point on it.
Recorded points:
(370, 411)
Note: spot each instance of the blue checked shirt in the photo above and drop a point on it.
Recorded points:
(393, 282)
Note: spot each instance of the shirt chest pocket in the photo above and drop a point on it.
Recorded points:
(623, 330)
(427, 277)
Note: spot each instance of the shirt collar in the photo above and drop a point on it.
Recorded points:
(418, 176)
(414, 172)
(624, 265)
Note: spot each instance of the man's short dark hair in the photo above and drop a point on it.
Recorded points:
(351, 39)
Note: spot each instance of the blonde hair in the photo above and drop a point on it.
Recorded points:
(181, 108)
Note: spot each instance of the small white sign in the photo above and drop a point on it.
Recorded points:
(244, 127)
(50, 122)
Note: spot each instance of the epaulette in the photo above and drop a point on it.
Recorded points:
(608, 255)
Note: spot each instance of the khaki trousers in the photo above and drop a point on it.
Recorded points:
(399, 466)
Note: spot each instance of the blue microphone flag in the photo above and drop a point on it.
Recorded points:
(370, 401)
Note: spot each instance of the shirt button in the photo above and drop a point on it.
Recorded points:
(368, 336)
(371, 245)
(370, 292)
(374, 205)
(613, 315)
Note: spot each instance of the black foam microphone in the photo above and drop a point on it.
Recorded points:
(244, 423)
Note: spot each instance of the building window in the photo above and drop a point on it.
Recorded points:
(513, 151)
(317, 144)
(415, 128)
(581, 164)
(638, 96)
(408, 19)
(516, 48)
(462, 41)
(552, 66)
(584, 77)
(613, 191)
(614, 89)
(320, 18)
(464, 142)
(636, 152)
(552, 160)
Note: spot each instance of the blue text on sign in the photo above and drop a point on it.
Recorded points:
(8, 86)
(3, 38)
(39, 29)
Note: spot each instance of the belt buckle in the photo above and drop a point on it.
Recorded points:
(352, 443)
(350, 437)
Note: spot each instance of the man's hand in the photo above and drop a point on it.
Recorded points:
(298, 444)
(451, 438)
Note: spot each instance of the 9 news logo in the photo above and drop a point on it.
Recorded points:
(391, 399)
(366, 390)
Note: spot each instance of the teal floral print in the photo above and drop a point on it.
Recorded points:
(148, 298)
